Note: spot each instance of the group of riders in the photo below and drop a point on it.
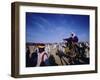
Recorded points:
(75, 55)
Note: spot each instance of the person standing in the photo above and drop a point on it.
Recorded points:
(42, 56)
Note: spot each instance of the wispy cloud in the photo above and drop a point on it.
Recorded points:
(54, 27)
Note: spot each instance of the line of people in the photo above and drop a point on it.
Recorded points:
(71, 53)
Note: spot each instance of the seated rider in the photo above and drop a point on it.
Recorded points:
(72, 40)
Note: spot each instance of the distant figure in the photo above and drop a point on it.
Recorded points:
(47, 48)
(42, 56)
(87, 50)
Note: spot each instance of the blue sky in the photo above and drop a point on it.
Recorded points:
(46, 27)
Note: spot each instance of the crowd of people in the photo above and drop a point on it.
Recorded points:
(70, 52)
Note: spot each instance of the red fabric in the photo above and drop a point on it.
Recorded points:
(43, 56)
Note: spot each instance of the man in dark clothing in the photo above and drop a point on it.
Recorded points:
(72, 40)
(27, 57)
(31, 61)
